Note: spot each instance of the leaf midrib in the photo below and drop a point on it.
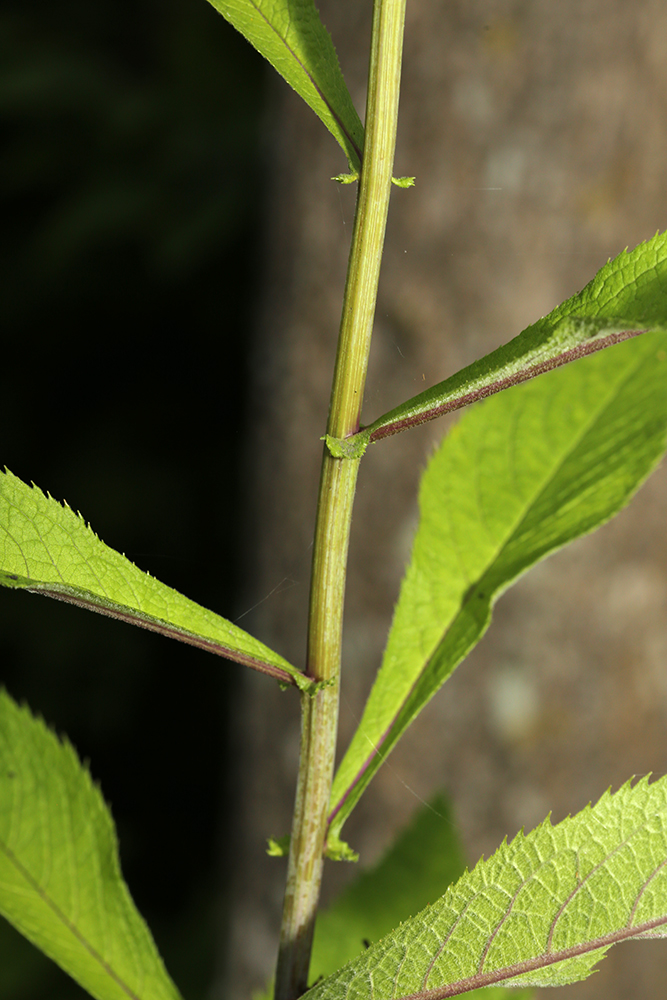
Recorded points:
(153, 623)
(480, 980)
(33, 550)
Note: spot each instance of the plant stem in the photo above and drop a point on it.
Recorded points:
(334, 513)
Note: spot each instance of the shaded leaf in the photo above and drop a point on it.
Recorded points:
(520, 475)
(60, 879)
(48, 549)
(291, 36)
(542, 911)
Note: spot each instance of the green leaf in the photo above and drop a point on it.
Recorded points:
(542, 911)
(424, 860)
(48, 549)
(522, 474)
(291, 36)
(60, 879)
(625, 298)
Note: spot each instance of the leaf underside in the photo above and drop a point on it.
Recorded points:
(542, 911)
(48, 549)
(424, 860)
(291, 36)
(628, 296)
(521, 475)
(60, 879)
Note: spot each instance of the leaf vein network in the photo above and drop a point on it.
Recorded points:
(635, 905)
(581, 882)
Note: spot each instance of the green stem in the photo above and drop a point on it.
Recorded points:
(334, 512)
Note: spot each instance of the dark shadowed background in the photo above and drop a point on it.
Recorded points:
(131, 202)
(172, 264)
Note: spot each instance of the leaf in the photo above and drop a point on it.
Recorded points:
(60, 879)
(625, 298)
(521, 475)
(423, 861)
(48, 549)
(542, 911)
(291, 36)
(425, 858)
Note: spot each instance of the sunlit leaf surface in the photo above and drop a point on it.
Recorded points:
(424, 860)
(521, 475)
(60, 879)
(628, 296)
(542, 911)
(48, 549)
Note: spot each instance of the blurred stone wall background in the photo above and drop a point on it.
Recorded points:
(538, 136)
